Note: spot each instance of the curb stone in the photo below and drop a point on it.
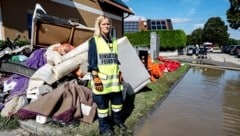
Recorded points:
(35, 128)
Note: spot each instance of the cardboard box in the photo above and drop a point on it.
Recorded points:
(48, 30)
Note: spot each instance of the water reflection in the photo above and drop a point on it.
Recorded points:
(206, 102)
(231, 106)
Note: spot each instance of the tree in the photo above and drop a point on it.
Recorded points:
(233, 14)
(215, 31)
(189, 40)
(197, 36)
(232, 41)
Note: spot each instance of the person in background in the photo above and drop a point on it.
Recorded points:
(204, 51)
(194, 51)
(106, 76)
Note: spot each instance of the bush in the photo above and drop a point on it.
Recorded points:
(22, 42)
(169, 39)
(139, 39)
(18, 43)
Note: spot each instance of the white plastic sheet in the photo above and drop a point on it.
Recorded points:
(134, 72)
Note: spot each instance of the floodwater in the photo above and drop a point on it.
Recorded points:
(206, 102)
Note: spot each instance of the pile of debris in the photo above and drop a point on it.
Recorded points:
(48, 79)
(51, 73)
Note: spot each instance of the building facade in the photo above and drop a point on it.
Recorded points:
(136, 24)
(16, 16)
(159, 24)
(131, 26)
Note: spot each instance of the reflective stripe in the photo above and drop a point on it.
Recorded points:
(111, 81)
(102, 111)
(107, 85)
(116, 106)
(111, 84)
(116, 110)
(107, 77)
(100, 115)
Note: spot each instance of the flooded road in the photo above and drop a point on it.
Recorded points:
(206, 102)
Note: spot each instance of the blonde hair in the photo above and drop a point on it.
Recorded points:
(98, 22)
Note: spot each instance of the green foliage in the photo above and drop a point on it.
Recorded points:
(8, 123)
(232, 41)
(140, 39)
(18, 42)
(2, 43)
(171, 39)
(197, 36)
(175, 39)
(233, 14)
(22, 42)
(189, 40)
(215, 31)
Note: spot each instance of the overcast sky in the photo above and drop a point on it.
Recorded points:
(187, 15)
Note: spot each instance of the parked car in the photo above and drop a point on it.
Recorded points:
(208, 46)
(229, 48)
(232, 51)
(224, 48)
(238, 51)
(191, 49)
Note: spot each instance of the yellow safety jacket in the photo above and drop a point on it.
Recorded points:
(108, 69)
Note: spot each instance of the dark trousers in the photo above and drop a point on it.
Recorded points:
(102, 101)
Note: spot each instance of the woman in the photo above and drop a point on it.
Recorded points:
(106, 76)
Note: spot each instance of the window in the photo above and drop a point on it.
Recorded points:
(114, 32)
(164, 27)
(29, 23)
(159, 27)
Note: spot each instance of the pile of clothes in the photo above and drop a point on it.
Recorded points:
(52, 88)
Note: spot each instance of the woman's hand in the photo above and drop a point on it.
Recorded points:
(120, 77)
(97, 83)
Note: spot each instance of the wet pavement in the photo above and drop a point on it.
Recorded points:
(205, 102)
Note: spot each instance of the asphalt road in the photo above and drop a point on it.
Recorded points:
(215, 58)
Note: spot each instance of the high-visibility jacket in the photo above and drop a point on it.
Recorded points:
(108, 69)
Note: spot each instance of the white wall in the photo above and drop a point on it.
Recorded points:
(168, 53)
(1, 28)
